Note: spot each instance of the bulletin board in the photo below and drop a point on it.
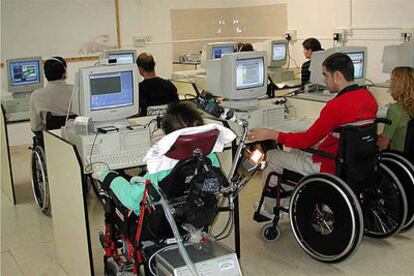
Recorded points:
(218, 24)
(68, 28)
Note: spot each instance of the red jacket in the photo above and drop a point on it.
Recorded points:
(352, 104)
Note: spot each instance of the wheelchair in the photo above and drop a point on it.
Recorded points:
(329, 214)
(192, 191)
(39, 179)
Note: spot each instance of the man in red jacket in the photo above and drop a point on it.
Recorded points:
(351, 104)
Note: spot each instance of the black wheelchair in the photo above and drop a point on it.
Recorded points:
(192, 191)
(40, 186)
(329, 214)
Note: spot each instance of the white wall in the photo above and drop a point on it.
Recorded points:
(325, 15)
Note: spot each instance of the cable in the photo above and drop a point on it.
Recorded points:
(93, 144)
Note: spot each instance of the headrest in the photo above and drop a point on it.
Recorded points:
(185, 145)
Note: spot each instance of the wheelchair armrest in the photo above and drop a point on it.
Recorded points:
(383, 121)
(320, 153)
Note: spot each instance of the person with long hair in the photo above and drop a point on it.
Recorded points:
(400, 112)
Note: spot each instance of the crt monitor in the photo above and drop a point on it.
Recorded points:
(398, 55)
(24, 74)
(238, 76)
(279, 53)
(215, 50)
(121, 56)
(108, 93)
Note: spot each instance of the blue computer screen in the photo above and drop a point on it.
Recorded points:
(218, 51)
(25, 72)
(111, 90)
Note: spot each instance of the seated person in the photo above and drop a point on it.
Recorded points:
(402, 91)
(244, 47)
(178, 116)
(153, 90)
(310, 45)
(351, 104)
(54, 97)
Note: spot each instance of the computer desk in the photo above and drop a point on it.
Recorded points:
(73, 235)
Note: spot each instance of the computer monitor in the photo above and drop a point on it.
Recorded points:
(121, 56)
(397, 55)
(215, 50)
(24, 74)
(108, 93)
(357, 54)
(238, 76)
(279, 53)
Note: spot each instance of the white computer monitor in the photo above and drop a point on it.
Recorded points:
(397, 55)
(238, 76)
(24, 74)
(357, 54)
(121, 56)
(108, 93)
(277, 51)
(215, 50)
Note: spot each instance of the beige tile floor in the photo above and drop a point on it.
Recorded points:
(27, 245)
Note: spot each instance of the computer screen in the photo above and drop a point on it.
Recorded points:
(358, 61)
(249, 73)
(238, 76)
(218, 51)
(121, 56)
(24, 74)
(108, 93)
(278, 51)
(109, 90)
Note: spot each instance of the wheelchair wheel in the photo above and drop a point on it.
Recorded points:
(384, 205)
(270, 232)
(326, 218)
(40, 185)
(404, 171)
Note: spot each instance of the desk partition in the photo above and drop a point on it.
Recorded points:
(6, 170)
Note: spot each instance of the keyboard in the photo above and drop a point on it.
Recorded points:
(117, 160)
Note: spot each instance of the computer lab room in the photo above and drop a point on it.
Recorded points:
(195, 137)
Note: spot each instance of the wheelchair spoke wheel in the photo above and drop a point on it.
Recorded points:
(326, 218)
(384, 205)
(404, 171)
(40, 186)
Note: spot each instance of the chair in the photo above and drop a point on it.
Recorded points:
(40, 186)
(189, 202)
(330, 213)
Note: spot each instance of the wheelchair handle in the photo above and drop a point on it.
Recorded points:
(385, 121)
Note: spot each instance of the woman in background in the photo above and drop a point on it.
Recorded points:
(402, 91)
(310, 45)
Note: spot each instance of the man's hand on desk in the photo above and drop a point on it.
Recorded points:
(262, 134)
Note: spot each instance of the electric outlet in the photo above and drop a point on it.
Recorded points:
(148, 38)
(291, 35)
(341, 34)
(139, 41)
(407, 34)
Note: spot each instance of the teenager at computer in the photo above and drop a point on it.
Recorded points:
(352, 103)
(153, 90)
(54, 97)
(179, 115)
(400, 112)
(310, 45)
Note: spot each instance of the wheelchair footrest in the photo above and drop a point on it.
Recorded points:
(259, 217)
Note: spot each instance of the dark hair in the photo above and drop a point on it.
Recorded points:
(312, 44)
(146, 62)
(181, 115)
(244, 47)
(342, 63)
(54, 68)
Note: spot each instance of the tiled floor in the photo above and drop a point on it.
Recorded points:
(27, 245)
